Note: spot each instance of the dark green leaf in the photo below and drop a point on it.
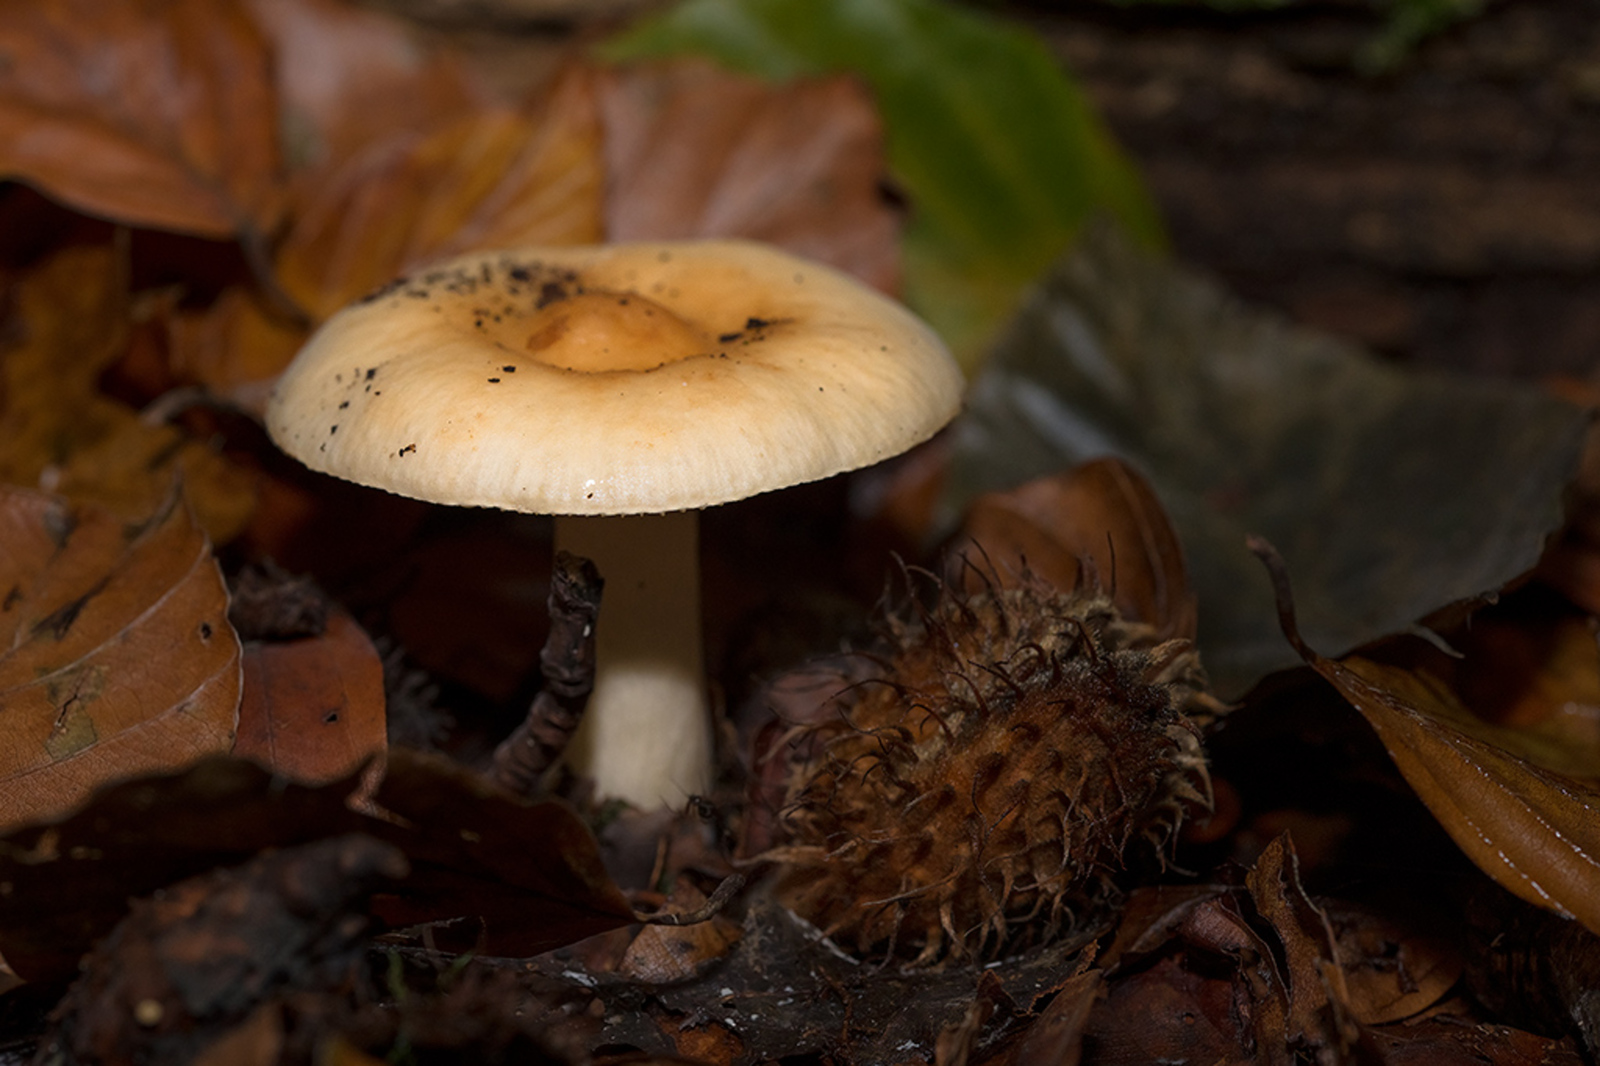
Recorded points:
(1391, 494)
(1001, 156)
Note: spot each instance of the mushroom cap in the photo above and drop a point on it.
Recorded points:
(613, 379)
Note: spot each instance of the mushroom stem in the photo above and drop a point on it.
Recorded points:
(646, 736)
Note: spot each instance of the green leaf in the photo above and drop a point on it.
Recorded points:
(1001, 156)
(1390, 494)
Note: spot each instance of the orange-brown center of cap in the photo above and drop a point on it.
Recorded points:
(593, 332)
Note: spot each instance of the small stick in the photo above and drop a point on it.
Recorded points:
(567, 663)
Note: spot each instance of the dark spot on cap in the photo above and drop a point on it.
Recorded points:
(756, 323)
(406, 449)
(494, 381)
(729, 338)
(330, 718)
(343, 404)
(549, 293)
(520, 273)
(372, 373)
(333, 429)
(509, 369)
(205, 630)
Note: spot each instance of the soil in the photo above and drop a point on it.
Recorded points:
(1444, 213)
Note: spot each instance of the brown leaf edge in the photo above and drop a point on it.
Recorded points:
(1535, 832)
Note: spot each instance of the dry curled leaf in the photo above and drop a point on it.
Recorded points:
(695, 151)
(1532, 829)
(313, 708)
(171, 100)
(119, 657)
(1102, 516)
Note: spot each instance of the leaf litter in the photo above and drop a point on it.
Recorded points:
(366, 149)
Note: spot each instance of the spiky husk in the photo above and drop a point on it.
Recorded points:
(1016, 748)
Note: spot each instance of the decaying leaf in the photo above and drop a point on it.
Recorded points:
(58, 430)
(694, 151)
(192, 967)
(527, 878)
(1391, 971)
(785, 992)
(1532, 829)
(1232, 974)
(476, 851)
(172, 101)
(1102, 515)
(119, 657)
(313, 708)
(1391, 494)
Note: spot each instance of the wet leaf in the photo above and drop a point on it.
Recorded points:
(313, 708)
(1532, 829)
(157, 113)
(1002, 158)
(58, 429)
(694, 151)
(1391, 494)
(534, 871)
(1102, 514)
(119, 658)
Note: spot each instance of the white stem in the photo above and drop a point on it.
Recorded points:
(646, 736)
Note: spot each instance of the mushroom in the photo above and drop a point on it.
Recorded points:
(619, 388)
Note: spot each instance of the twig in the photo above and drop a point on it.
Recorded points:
(567, 663)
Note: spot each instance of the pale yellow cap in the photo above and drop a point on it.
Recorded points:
(613, 379)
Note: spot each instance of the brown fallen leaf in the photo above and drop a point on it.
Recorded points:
(692, 150)
(1102, 515)
(494, 177)
(349, 75)
(1531, 667)
(313, 708)
(1318, 1000)
(58, 430)
(477, 851)
(156, 113)
(1534, 830)
(527, 877)
(119, 658)
(1391, 971)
